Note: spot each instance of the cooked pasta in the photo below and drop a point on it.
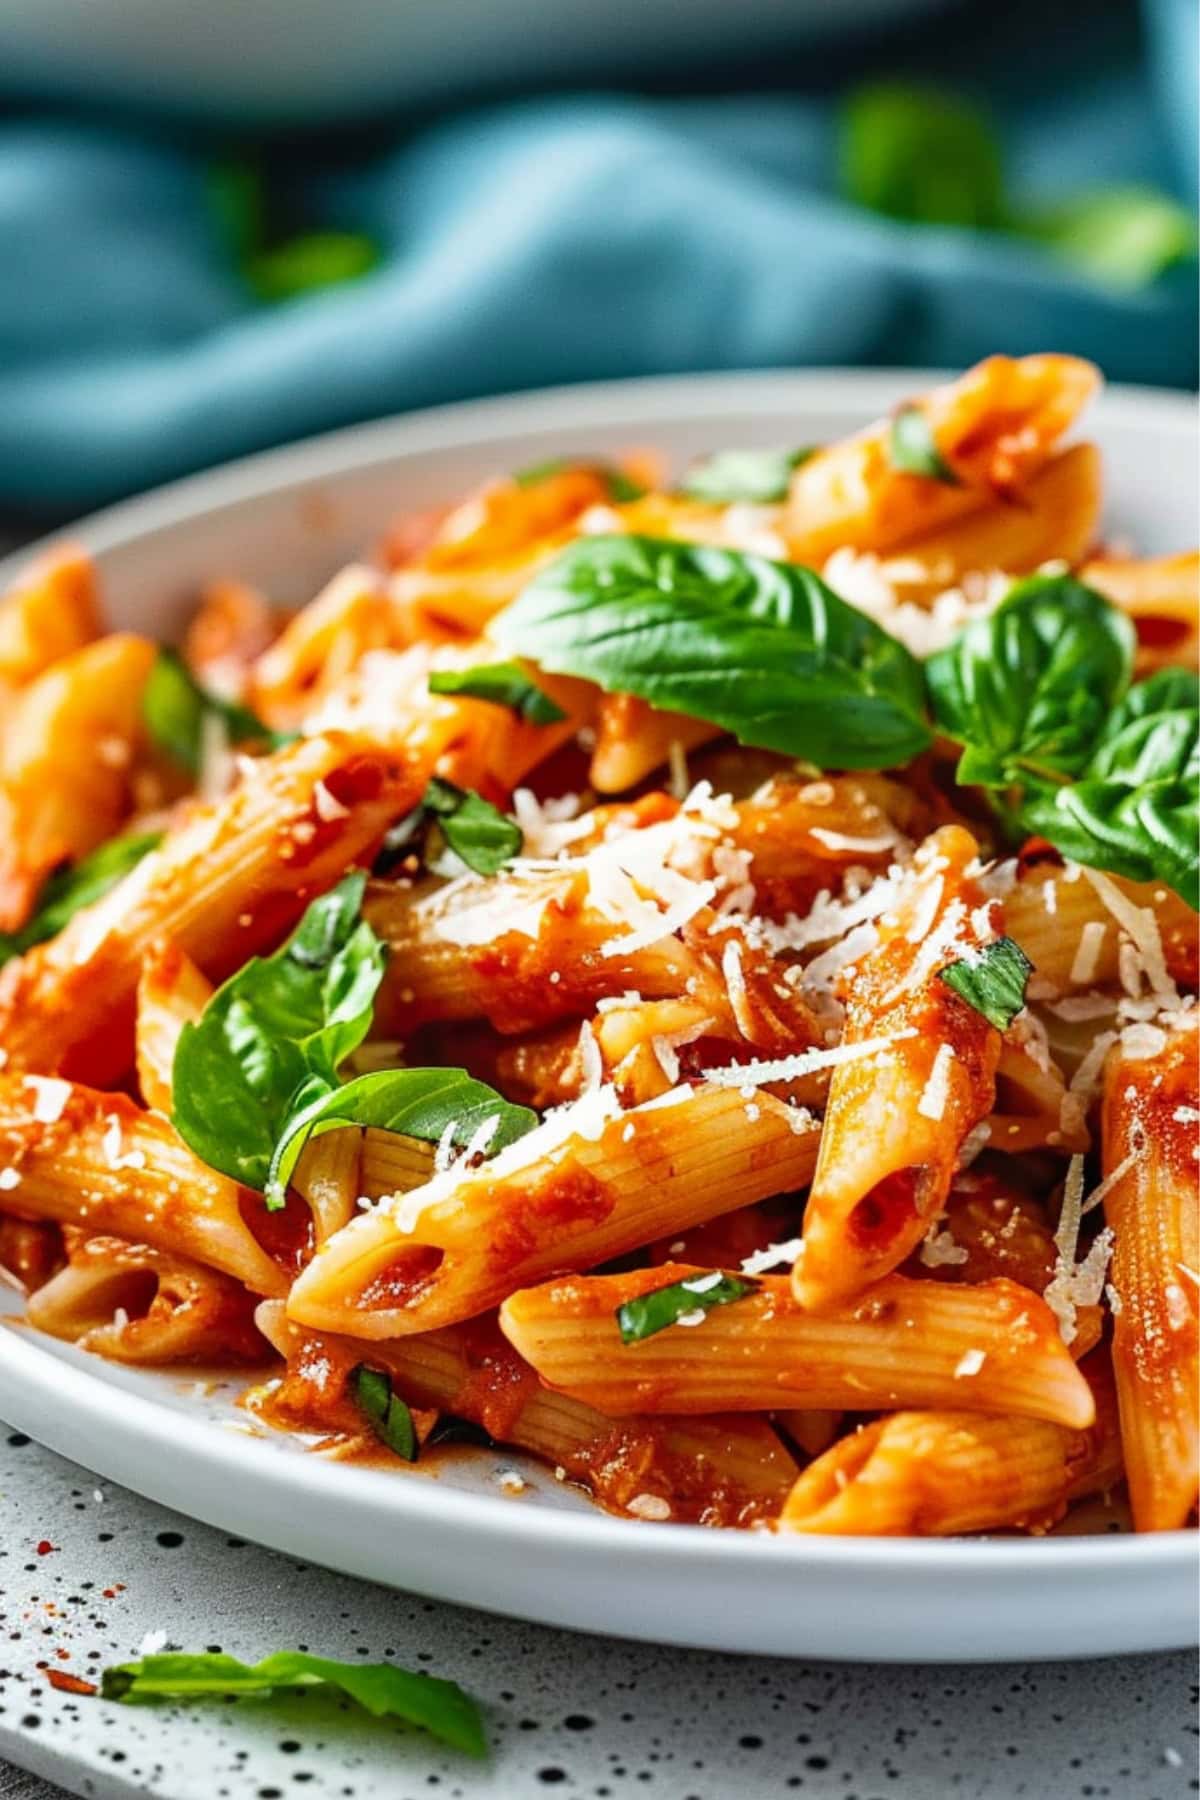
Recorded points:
(698, 992)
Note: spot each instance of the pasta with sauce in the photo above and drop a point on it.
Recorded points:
(691, 978)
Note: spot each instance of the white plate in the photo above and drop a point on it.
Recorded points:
(288, 519)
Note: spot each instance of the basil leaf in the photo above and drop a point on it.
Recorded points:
(918, 154)
(439, 1707)
(504, 684)
(278, 1023)
(761, 476)
(653, 1312)
(1027, 690)
(477, 832)
(762, 649)
(387, 1413)
(418, 1103)
(68, 890)
(175, 708)
(993, 981)
(621, 487)
(1145, 833)
(1124, 237)
(1154, 735)
(913, 449)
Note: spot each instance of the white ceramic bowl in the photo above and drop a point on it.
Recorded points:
(287, 519)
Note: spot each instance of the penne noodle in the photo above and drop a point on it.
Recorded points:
(52, 611)
(30, 1251)
(65, 761)
(227, 881)
(585, 1188)
(992, 1349)
(171, 993)
(231, 627)
(1151, 1112)
(136, 1304)
(1073, 940)
(78, 1157)
(1162, 597)
(932, 1079)
(720, 1471)
(995, 427)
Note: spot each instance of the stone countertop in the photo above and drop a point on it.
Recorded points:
(88, 1569)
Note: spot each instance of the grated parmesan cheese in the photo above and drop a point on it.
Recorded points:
(969, 1363)
(935, 1093)
(50, 1096)
(939, 1250)
(772, 1257)
(649, 1506)
(1087, 954)
(790, 1068)
(9, 1179)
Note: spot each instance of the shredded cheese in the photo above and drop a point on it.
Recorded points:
(791, 1068)
(935, 1093)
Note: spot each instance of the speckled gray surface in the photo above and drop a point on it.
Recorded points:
(86, 1570)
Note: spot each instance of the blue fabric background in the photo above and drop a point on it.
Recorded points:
(555, 239)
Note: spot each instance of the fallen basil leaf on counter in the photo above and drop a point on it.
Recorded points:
(920, 154)
(504, 684)
(415, 1103)
(177, 711)
(763, 649)
(387, 1414)
(279, 1023)
(1123, 237)
(478, 833)
(993, 981)
(913, 448)
(756, 476)
(650, 1313)
(69, 890)
(439, 1707)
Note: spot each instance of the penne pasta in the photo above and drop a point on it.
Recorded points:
(1151, 1112)
(992, 1349)
(591, 1185)
(1162, 597)
(51, 612)
(171, 993)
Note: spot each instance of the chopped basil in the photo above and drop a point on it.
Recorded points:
(69, 890)
(917, 154)
(277, 1024)
(913, 449)
(763, 649)
(504, 684)
(621, 487)
(176, 710)
(478, 833)
(415, 1103)
(759, 476)
(993, 982)
(388, 1415)
(439, 1707)
(653, 1312)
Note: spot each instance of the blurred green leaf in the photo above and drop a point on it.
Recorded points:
(1125, 237)
(914, 153)
(236, 195)
(317, 259)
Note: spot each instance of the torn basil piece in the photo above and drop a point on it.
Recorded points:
(387, 1414)
(503, 684)
(913, 448)
(177, 711)
(70, 889)
(757, 476)
(477, 832)
(650, 1313)
(993, 982)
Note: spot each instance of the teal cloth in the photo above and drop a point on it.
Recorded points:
(540, 241)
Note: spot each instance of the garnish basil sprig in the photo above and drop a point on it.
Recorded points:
(913, 449)
(1037, 694)
(651, 1313)
(762, 649)
(69, 890)
(993, 981)
(622, 488)
(760, 477)
(479, 834)
(176, 709)
(437, 1706)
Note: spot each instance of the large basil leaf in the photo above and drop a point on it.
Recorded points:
(278, 1023)
(1027, 690)
(69, 890)
(1146, 833)
(763, 649)
(503, 684)
(1154, 735)
(418, 1103)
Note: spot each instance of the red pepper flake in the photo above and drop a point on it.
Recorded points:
(45, 1547)
(70, 1684)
